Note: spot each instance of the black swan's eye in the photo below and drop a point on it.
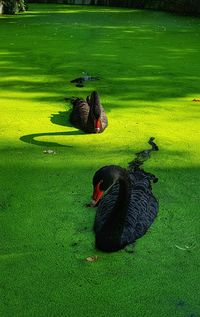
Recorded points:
(101, 187)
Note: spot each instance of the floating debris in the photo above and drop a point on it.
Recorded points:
(49, 152)
(185, 247)
(92, 258)
(90, 205)
(196, 100)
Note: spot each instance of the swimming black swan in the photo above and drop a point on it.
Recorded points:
(126, 205)
(88, 115)
(81, 80)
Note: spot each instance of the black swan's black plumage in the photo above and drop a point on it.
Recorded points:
(129, 207)
(88, 115)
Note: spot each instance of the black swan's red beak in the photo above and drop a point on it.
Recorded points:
(98, 125)
(97, 194)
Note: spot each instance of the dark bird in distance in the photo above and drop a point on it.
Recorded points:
(88, 115)
(126, 206)
(81, 80)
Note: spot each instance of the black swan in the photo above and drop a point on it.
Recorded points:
(88, 115)
(126, 205)
(81, 80)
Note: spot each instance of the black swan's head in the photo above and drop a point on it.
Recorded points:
(104, 179)
(96, 110)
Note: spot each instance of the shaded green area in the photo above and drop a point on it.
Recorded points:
(185, 7)
(149, 65)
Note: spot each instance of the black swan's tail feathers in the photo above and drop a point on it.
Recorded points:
(73, 100)
(152, 177)
(143, 156)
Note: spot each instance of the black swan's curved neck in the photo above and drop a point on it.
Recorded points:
(94, 103)
(95, 110)
(121, 205)
(94, 98)
(117, 217)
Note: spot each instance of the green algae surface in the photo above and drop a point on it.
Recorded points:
(149, 67)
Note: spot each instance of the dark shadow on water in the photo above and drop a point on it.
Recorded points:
(30, 138)
(61, 118)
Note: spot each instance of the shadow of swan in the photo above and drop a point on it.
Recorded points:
(30, 138)
(61, 118)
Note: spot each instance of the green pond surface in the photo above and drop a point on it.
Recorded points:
(149, 64)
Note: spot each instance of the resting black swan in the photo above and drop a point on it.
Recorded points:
(126, 205)
(88, 115)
